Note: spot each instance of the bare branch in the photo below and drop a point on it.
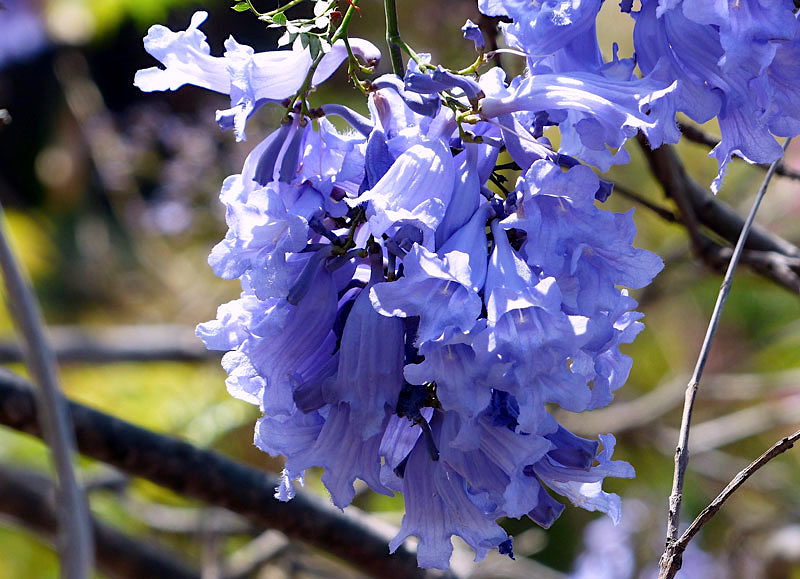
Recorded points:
(713, 508)
(782, 269)
(28, 497)
(75, 533)
(670, 564)
(662, 212)
(186, 520)
(767, 254)
(210, 477)
(697, 135)
(710, 211)
(775, 266)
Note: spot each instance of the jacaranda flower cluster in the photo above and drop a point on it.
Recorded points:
(406, 318)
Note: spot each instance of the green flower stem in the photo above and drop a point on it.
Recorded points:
(414, 56)
(473, 68)
(253, 9)
(397, 44)
(353, 67)
(283, 8)
(393, 39)
(341, 33)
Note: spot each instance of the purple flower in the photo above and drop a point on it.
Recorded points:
(370, 373)
(442, 80)
(582, 483)
(730, 61)
(400, 322)
(292, 337)
(261, 232)
(543, 27)
(440, 503)
(415, 190)
(524, 316)
(587, 249)
(438, 289)
(249, 78)
(473, 32)
(328, 438)
(603, 112)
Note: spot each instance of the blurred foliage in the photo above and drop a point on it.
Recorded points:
(113, 210)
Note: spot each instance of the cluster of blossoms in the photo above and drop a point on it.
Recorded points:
(407, 320)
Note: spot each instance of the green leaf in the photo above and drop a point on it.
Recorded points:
(241, 7)
(280, 19)
(315, 46)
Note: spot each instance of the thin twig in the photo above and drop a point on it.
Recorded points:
(186, 520)
(670, 563)
(244, 562)
(75, 533)
(782, 269)
(740, 424)
(776, 449)
(662, 212)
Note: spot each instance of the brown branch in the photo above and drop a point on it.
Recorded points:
(662, 212)
(675, 550)
(775, 266)
(29, 499)
(710, 211)
(697, 135)
(767, 254)
(210, 477)
(782, 269)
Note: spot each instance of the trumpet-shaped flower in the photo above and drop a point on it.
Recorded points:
(250, 78)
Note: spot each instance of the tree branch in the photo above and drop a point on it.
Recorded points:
(767, 254)
(775, 266)
(210, 477)
(670, 564)
(679, 546)
(697, 135)
(710, 211)
(28, 498)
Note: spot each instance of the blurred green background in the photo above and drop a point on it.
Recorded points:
(111, 204)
